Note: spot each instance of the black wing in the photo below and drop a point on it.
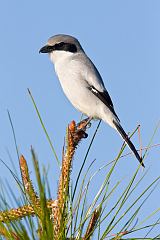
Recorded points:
(104, 97)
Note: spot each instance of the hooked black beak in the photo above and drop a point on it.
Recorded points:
(46, 49)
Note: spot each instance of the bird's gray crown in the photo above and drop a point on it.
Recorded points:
(62, 42)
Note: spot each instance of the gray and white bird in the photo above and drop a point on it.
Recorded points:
(82, 83)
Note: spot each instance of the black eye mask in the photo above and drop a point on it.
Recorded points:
(68, 47)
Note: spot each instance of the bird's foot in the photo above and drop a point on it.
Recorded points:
(84, 124)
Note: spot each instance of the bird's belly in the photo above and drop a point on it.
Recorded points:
(79, 95)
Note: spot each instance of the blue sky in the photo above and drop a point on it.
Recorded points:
(123, 40)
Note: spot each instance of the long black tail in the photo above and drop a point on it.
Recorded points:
(128, 141)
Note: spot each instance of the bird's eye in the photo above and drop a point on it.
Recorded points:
(61, 44)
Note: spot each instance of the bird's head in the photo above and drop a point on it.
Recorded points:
(61, 46)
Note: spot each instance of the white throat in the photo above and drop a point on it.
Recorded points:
(57, 56)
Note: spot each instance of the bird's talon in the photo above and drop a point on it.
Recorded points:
(84, 124)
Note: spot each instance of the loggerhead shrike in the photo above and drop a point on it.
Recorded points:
(82, 83)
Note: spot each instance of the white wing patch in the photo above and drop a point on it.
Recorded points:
(94, 90)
